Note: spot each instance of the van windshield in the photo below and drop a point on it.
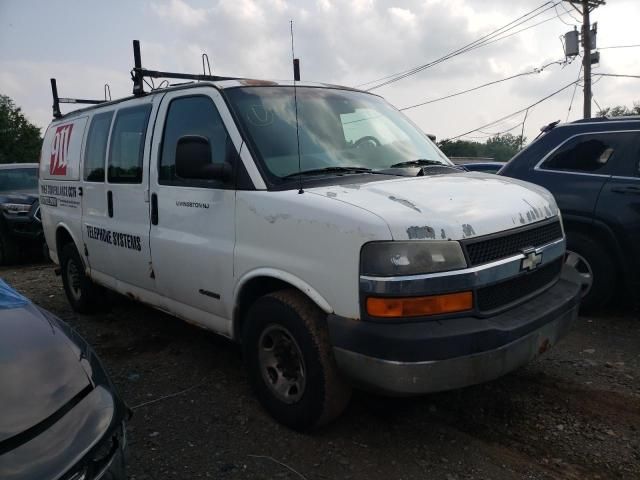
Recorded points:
(19, 179)
(339, 130)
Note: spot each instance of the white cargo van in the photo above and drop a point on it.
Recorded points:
(317, 226)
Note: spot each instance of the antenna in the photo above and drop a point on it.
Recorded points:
(296, 78)
(107, 91)
(136, 74)
(56, 99)
(206, 57)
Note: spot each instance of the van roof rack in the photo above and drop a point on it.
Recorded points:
(138, 73)
(57, 100)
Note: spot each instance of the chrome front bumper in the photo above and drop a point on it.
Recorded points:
(417, 358)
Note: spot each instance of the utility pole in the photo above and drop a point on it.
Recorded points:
(586, 6)
(586, 59)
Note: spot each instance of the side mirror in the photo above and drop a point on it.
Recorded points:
(193, 160)
(432, 137)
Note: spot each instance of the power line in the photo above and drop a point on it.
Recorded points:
(482, 41)
(555, 7)
(569, 13)
(482, 127)
(573, 95)
(494, 82)
(615, 75)
(619, 46)
(483, 44)
(524, 121)
(518, 31)
(597, 104)
(492, 134)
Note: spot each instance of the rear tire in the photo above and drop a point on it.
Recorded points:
(83, 295)
(596, 268)
(290, 361)
(8, 248)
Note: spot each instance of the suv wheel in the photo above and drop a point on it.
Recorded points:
(8, 248)
(595, 268)
(82, 293)
(290, 362)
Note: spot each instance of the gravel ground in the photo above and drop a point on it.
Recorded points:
(572, 414)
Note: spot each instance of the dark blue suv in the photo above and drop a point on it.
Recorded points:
(592, 167)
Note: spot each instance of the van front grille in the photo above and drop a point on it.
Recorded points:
(509, 291)
(484, 250)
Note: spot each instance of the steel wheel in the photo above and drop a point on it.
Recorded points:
(582, 266)
(74, 276)
(281, 364)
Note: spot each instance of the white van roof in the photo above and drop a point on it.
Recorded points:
(220, 85)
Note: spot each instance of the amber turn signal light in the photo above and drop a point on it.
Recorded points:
(419, 306)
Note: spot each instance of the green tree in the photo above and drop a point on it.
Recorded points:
(20, 140)
(500, 148)
(503, 147)
(620, 111)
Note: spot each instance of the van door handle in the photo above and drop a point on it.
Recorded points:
(110, 203)
(79, 191)
(154, 209)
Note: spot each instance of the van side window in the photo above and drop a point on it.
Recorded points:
(588, 153)
(127, 145)
(193, 115)
(96, 150)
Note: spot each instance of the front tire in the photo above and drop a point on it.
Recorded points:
(595, 267)
(290, 362)
(82, 293)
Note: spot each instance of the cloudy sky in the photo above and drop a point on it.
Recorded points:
(86, 43)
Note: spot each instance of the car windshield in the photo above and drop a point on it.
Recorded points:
(339, 130)
(18, 179)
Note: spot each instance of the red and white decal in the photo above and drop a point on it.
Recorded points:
(60, 150)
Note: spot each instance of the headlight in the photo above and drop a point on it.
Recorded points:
(410, 258)
(15, 207)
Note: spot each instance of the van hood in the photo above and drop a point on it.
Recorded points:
(449, 207)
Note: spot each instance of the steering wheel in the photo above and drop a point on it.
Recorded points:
(367, 142)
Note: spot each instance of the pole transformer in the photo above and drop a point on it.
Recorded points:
(585, 7)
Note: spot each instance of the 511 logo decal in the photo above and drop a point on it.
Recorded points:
(60, 150)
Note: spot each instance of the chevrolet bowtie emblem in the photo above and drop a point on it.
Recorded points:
(531, 260)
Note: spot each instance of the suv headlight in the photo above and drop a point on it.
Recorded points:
(410, 258)
(15, 207)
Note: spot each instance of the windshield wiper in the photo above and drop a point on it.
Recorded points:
(320, 171)
(420, 162)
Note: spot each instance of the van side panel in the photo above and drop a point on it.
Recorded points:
(59, 174)
(310, 237)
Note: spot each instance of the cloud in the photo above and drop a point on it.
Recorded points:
(403, 15)
(27, 82)
(180, 12)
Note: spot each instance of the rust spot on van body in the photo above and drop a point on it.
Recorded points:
(405, 202)
(467, 230)
(419, 233)
(251, 82)
(275, 218)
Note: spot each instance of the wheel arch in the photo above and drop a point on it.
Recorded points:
(63, 236)
(262, 281)
(598, 230)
